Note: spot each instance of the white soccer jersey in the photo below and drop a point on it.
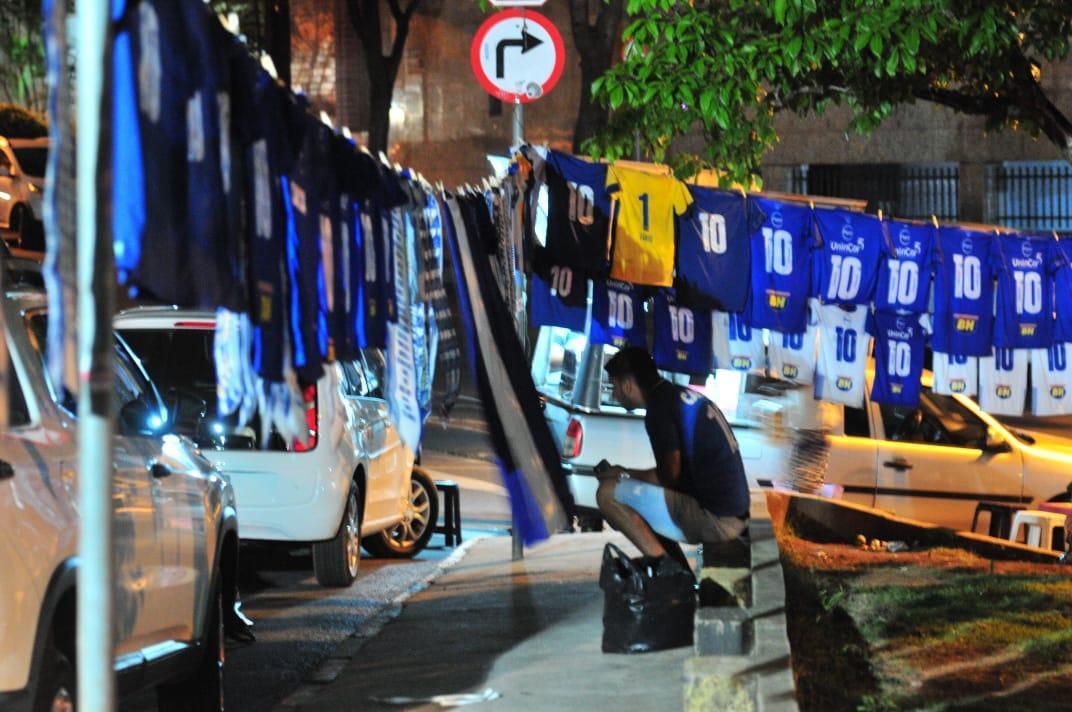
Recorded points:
(1003, 382)
(737, 346)
(1051, 380)
(792, 356)
(843, 348)
(956, 374)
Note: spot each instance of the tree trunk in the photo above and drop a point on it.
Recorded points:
(595, 44)
(380, 95)
(591, 116)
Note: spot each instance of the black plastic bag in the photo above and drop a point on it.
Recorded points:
(645, 608)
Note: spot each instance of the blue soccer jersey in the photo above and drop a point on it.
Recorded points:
(712, 244)
(578, 212)
(560, 301)
(781, 267)
(904, 273)
(849, 247)
(1063, 290)
(617, 315)
(1024, 313)
(900, 341)
(682, 337)
(963, 292)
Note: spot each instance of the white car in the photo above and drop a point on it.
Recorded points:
(176, 539)
(932, 463)
(22, 183)
(353, 483)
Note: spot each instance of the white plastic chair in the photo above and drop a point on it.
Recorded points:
(1040, 527)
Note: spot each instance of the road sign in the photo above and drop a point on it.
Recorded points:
(518, 3)
(517, 56)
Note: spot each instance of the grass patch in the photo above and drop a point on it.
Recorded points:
(939, 630)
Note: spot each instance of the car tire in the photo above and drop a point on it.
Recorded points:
(336, 560)
(56, 686)
(409, 537)
(202, 691)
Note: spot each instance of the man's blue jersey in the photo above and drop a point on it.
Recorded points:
(963, 292)
(1063, 290)
(712, 244)
(849, 246)
(904, 273)
(617, 315)
(900, 341)
(561, 301)
(1024, 313)
(578, 213)
(682, 337)
(781, 267)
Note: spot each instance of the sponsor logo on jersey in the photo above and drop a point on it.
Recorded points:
(682, 355)
(1031, 263)
(790, 371)
(741, 363)
(910, 252)
(843, 383)
(776, 219)
(958, 385)
(777, 300)
(1028, 329)
(1057, 391)
(1004, 392)
(896, 388)
(966, 324)
(966, 246)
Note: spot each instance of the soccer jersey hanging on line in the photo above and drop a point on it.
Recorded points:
(781, 267)
(792, 356)
(1003, 382)
(712, 245)
(1051, 379)
(578, 212)
(849, 248)
(843, 348)
(904, 275)
(963, 292)
(1024, 314)
(561, 301)
(645, 207)
(955, 375)
(737, 346)
(617, 315)
(682, 337)
(1063, 291)
(899, 344)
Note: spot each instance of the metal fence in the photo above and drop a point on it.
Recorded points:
(904, 191)
(1030, 195)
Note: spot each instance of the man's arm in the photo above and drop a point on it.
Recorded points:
(666, 473)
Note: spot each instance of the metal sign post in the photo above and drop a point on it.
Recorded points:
(517, 140)
(96, 580)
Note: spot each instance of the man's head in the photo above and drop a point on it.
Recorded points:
(633, 375)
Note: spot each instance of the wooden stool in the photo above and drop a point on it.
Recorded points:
(451, 529)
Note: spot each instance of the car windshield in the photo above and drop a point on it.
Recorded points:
(181, 363)
(32, 161)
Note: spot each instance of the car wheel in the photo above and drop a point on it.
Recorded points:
(409, 537)
(203, 690)
(336, 561)
(56, 685)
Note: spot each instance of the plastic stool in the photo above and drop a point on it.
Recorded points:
(1041, 527)
(1000, 517)
(451, 529)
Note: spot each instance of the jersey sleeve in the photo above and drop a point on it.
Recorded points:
(662, 432)
(756, 215)
(613, 182)
(682, 197)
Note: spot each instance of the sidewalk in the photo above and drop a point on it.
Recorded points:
(530, 631)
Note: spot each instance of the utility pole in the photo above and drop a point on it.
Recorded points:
(96, 579)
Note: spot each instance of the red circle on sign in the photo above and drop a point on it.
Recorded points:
(478, 41)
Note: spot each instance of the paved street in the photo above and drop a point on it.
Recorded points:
(300, 625)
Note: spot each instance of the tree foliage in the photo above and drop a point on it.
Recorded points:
(725, 68)
(22, 54)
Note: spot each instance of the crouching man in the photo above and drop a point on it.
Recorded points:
(697, 491)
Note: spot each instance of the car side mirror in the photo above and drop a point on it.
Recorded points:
(139, 417)
(994, 443)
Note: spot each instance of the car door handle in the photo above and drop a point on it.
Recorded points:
(6, 470)
(899, 465)
(159, 470)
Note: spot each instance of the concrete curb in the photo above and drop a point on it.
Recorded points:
(742, 653)
(340, 659)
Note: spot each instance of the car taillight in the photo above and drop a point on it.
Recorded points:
(571, 447)
(309, 397)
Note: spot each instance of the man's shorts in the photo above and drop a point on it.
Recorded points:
(676, 515)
